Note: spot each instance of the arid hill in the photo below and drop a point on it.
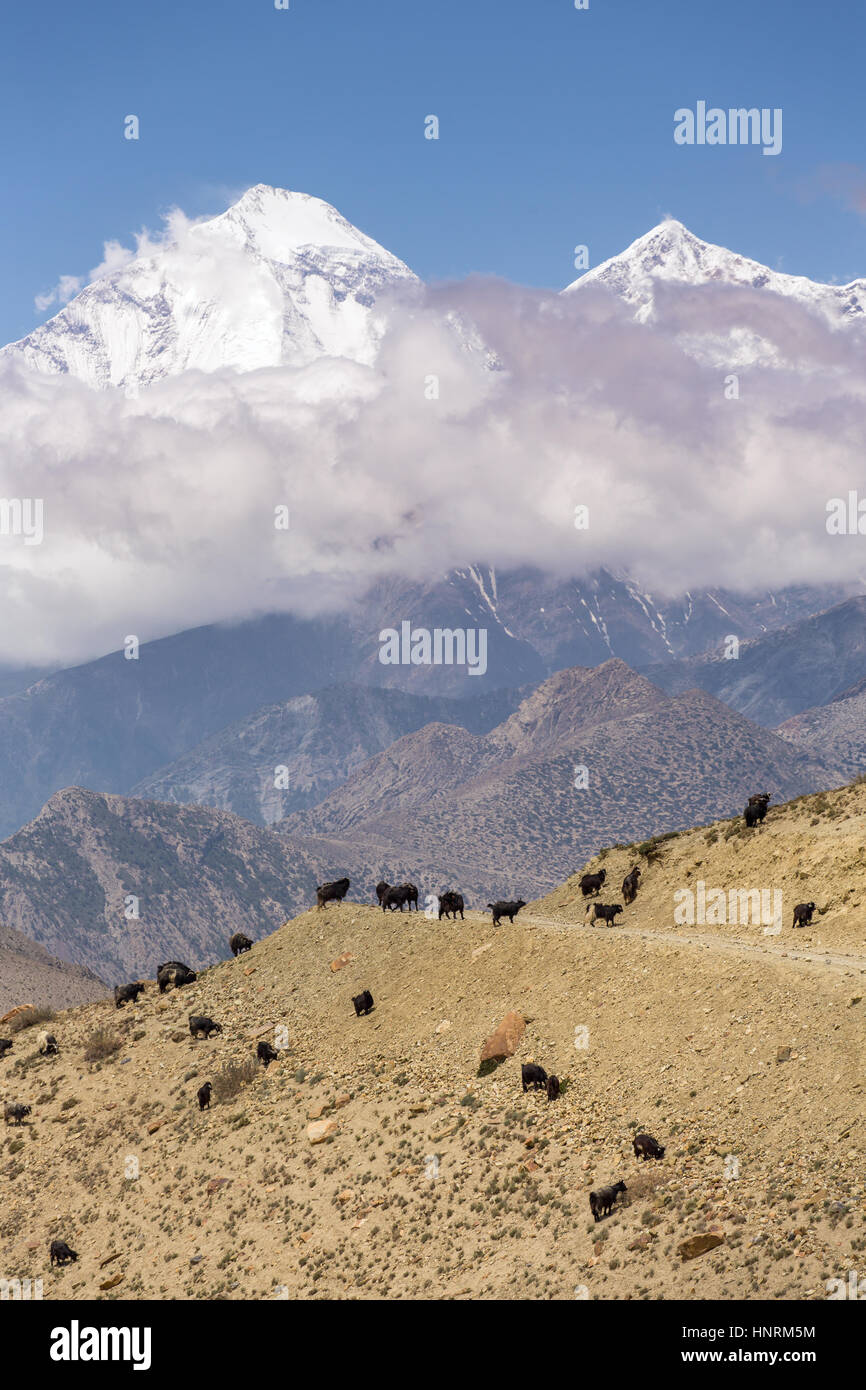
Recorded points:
(29, 974)
(376, 1159)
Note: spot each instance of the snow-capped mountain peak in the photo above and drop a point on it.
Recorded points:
(277, 223)
(670, 252)
(279, 278)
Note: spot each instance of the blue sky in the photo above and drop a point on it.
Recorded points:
(556, 128)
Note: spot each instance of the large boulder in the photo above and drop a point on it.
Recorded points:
(322, 1130)
(506, 1040)
(700, 1244)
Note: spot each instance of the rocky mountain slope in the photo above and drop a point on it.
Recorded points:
(69, 879)
(376, 1158)
(439, 805)
(315, 740)
(30, 974)
(113, 725)
(781, 674)
(835, 732)
(469, 808)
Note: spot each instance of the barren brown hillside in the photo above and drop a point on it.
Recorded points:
(434, 1181)
(590, 758)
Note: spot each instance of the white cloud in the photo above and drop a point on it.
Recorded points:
(115, 257)
(158, 511)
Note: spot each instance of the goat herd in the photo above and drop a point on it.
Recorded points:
(391, 898)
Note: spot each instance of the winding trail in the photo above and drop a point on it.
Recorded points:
(721, 945)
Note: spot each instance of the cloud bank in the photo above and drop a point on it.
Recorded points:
(159, 511)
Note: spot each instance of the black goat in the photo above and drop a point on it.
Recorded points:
(450, 904)
(13, 1111)
(411, 894)
(396, 897)
(332, 892)
(756, 808)
(503, 909)
(200, 1023)
(60, 1253)
(363, 1003)
(533, 1075)
(602, 1201)
(646, 1147)
(630, 885)
(238, 943)
(266, 1053)
(592, 883)
(127, 994)
(602, 912)
(174, 972)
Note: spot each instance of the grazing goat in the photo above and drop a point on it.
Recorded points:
(411, 892)
(266, 1053)
(174, 972)
(602, 912)
(332, 892)
(238, 943)
(5, 1045)
(756, 808)
(47, 1044)
(60, 1253)
(646, 1147)
(803, 914)
(533, 1075)
(509, 910)
(127, 994)
(450, 904)
(199, 1023)
(592, 883)
(601, 1202)
(381, 890)
(630, 885)
(13, 1111)
(553, 1088)
(363, 1003)
(396, 897)
(203, 1093)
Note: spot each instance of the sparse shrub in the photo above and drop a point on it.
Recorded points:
(28, 1018)
(231, 1078)
(101, 1045)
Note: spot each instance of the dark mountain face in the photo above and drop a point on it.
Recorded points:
(112, 724)
(782, 673)
(289, 756)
